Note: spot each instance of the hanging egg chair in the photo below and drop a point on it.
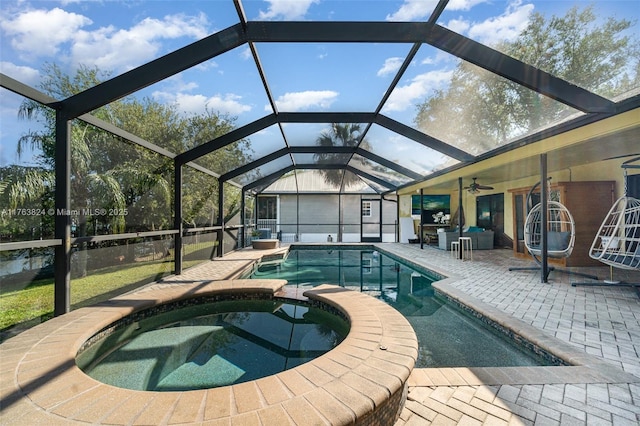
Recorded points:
(617, 242)
(560, 230)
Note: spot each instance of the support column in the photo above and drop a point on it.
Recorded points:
(460, 213)
(397, 226)
(221, 218)
(543, 225)
(62, 274)
(380, 218)
(177, 217)
(340, 218)
(420, 233)
(243, 222)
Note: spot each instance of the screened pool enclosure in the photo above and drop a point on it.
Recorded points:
(186, 194)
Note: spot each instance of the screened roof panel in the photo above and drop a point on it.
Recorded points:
(264, 170)
(303, 134)
(452, 99)
(253, 148)
(318, 181)
(115, 37)
(228, 85)
(25, 154)
(312, 78)
(322, 158)
(545, 37)
(260, 188)
(406, 152)
(333, 11)
(488, 110)
(375, 186)
(384, 173)
(355, 184)
(265, 142)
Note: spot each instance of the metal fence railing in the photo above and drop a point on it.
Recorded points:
(317, 233)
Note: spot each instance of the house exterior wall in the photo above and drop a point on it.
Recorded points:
(319, 217)
(608, 170)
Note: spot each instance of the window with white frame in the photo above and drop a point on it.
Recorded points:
(366, 265)
(366, 209)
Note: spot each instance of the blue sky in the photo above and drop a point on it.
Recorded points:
(119, 35)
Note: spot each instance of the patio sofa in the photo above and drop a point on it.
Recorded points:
(480, 239)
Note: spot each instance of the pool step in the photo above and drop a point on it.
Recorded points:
(136, 364)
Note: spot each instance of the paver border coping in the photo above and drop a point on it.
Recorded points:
(361, 381)
(592, 368)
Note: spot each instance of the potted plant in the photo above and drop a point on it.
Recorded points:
(255, 235)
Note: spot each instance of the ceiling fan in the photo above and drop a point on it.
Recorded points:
(475, 187)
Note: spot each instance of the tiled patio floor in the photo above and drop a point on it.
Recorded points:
(599, 324)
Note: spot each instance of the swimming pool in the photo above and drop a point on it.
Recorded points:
(447, 336)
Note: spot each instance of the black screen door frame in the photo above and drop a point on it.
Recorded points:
(366, 226)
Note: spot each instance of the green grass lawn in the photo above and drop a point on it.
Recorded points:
(34, 302)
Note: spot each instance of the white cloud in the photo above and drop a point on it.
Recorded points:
(62, 35)
(404, 97)
(26, 75)
(228, 103)
(300, 101)
(463, 4)
(458, 25)
(504, 27)
(176, 84)
(286, 9)
(41, 32)
(391, 65)
(207, 65)
(413, 10)
(246, 53)
(109, 48)
(440, 57)
(196, 104)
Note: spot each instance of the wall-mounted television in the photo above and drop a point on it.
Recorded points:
(435, 209)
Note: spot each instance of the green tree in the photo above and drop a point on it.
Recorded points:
(17, 186)
(489, 110)
(111, 174)
(200, 191)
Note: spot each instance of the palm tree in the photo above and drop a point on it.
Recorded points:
(347, 135)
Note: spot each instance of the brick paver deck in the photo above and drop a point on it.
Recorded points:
(602, 322)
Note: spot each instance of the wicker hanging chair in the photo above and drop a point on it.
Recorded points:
(617, 242)
(560, 230)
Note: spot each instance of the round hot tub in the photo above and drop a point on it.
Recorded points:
(361, 380)
(210, 343)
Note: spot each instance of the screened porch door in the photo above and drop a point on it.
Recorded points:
(371, 220)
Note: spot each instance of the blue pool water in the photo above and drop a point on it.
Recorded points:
(447, 337)
(213, 344)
